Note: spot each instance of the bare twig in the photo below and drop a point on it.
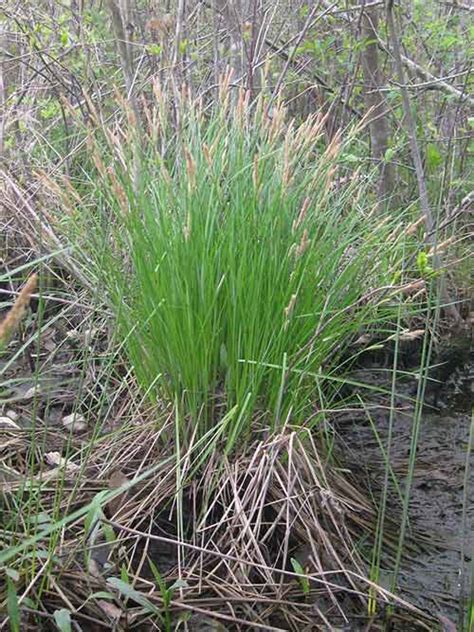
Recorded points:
(449, 307)
(309, 22)
(461, 6)
(424, 74)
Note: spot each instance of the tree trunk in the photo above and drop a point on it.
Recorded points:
(374, 101)
(231, 10)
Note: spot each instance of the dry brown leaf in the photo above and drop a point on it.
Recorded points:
(9, 423)
(93, 568)
(364, 339)
(74, 422)
(31, 392)
(54, 459)
(116, 480)
(448, 625)
(416, 334)
(10, 323)
(411, 288)
(162, 24)
(110, 609)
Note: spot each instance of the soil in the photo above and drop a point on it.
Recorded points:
(435, 575)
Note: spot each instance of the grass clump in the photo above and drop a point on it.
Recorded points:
(238, 256)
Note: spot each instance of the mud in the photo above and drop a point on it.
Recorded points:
(435, 573)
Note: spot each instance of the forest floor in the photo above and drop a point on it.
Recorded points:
(42, 382)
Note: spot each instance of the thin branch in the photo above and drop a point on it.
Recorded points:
(279, 51)
(435, 82)
(460, 5)
(300, 38)
(427, 76)
(450, 308)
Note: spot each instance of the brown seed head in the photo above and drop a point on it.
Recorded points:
(288, 311)
(301, 215)
(10, 323)
(303, 245)
(190, 168)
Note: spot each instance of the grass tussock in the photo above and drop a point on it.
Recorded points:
(238, 256)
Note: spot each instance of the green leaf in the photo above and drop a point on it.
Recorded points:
(28, 602)
(351, 158)
(299, 570)
(154, 49)
(124, 573)
(131, 593)
(304, 11)
(50, 110)
(422, 260)
(62, 619)
(95, 513)
(13, 574)
(396, 277)
(433, 156)
(64, 37)
(158, 578)
(43, 519)
(179, 583)
(389, 154)
(13, 608)
(448, 42)
(109, 533)
(101, 594)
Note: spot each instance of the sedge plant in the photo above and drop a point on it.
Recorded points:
(238, 254)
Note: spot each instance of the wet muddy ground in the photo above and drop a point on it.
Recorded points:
(435, 573)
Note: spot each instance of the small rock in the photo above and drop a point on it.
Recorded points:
(74, 422)
(31, 392)
(9, 423)
(55, 459)
(12, 415)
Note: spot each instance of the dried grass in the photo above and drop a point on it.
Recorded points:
(243, 519)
